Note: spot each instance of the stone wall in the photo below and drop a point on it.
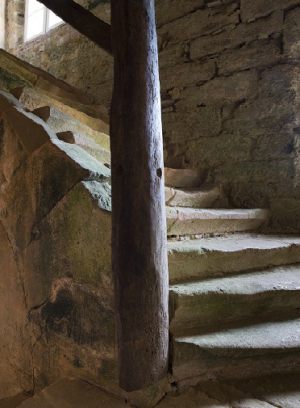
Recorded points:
(229, 76)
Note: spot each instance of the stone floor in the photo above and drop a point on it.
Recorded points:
(280, 391)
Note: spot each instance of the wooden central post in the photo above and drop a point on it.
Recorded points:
(139, 223)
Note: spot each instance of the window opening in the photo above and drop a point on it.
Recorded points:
(38, 19)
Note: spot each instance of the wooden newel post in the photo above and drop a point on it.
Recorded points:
(139, 224)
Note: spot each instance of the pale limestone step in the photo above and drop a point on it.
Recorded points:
(189, 221)
(95, 143)
(239, 353)
(208, 197)
(280, 390)
(221, 256)
(73, 393)
(217, 302)
(216, 394)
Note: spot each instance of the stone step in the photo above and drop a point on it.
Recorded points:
(217, 302)
(219, 256)
(207, 197)
(95, 143)
(280, 390)
(190, 221)
(74, 393)
(238, 353)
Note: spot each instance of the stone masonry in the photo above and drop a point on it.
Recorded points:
(229, 91)
(234, 291)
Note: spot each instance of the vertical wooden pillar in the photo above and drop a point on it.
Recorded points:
(139, 223)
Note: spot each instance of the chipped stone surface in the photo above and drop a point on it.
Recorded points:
(208, 197)
(55, 212)
(231, 300)
(220, 256)
(252, 350)
(189, 221)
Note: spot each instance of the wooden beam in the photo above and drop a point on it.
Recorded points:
(82, 20)
(139, 235)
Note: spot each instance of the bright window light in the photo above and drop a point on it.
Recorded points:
(39, 19)
(53, 20)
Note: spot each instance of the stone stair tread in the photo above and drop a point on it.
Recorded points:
(96, 143)
(234, 242)
(243, 352)
(208, 196)
(276, 279)
(269, 336)
(218, 256)
(218, 213)
(216, 303)
(196, 221)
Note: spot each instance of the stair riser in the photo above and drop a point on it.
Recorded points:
(185, 266)
(211, 226)
(193, 314)
(100, 154)
(213, 198)
(192, 365)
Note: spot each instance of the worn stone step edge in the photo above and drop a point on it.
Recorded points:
(243, 352)
(189, 221)
(222, 256)
(204, 197)
(214, 303)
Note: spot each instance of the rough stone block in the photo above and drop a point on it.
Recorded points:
(201, 22)
(221, 91)
(285, 215)
(192, 124)
(186, 74)
(172, 54)
(264, 115)
(251, 10)
(234, 36)
(254, 183)
(77, 225)
(169, 10)
(232, 147)
(257, 54)
(291, 33)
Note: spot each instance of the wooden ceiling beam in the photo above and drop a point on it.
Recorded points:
(83, 21)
